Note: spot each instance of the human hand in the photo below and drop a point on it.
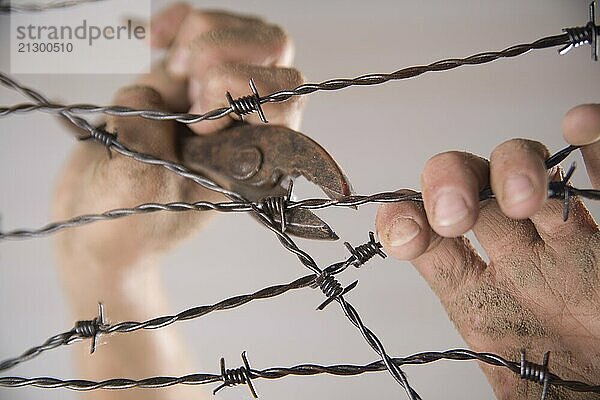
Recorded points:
(115, 262)
(540, 290)
(207, 54)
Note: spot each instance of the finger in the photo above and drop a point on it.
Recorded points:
(502, 237)
(518, 177)
(581, 126)
(234, 78)
(449, 265)
(451, 183)
(165, 25)
(153, 137)
(258, 44)
(199, 24)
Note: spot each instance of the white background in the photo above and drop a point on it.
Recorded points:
(382, 136)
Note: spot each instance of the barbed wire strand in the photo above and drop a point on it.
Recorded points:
(234, 206)
(301, 90)
(352, 201)
(6, 6)
(298, 370)
(73, 336)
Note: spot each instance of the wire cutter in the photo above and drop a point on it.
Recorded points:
(260, 162)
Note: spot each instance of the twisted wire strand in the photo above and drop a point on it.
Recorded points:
(301, 90)
(234, 206)
(298, 370)
(240, 206)
(52, 343)
(8, 7)
(73, 335)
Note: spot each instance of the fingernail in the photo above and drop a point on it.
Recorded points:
(517, 188)
(178, 62)
(450, 209)
(401, 231)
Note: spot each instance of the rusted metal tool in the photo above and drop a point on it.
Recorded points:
(260, 162)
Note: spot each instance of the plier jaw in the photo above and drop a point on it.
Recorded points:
(259, 162)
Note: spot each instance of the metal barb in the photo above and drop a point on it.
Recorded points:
(536, 373)
(331, 288)
(581, 35)
(102, 136)
(563, 190)
(237, 376)
(363, 253)
(277, 205)
(92, 328)
(247, 104)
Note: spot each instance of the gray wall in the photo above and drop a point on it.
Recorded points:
(381, 135)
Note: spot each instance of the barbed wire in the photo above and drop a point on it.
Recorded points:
(297, 370)
(322, 279)
(73, 335)
(556, 190)
(302, 90)
(7, 6)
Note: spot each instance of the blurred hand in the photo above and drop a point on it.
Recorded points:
(207, 54)
(540, 290)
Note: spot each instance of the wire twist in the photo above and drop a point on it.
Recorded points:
(331, 288)
(578, 36)
(237, 376)
(535, 372)
(277, 206)
(247, 104)
(92, 328)
(100, 135)
(562, 190)
(363, 253)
